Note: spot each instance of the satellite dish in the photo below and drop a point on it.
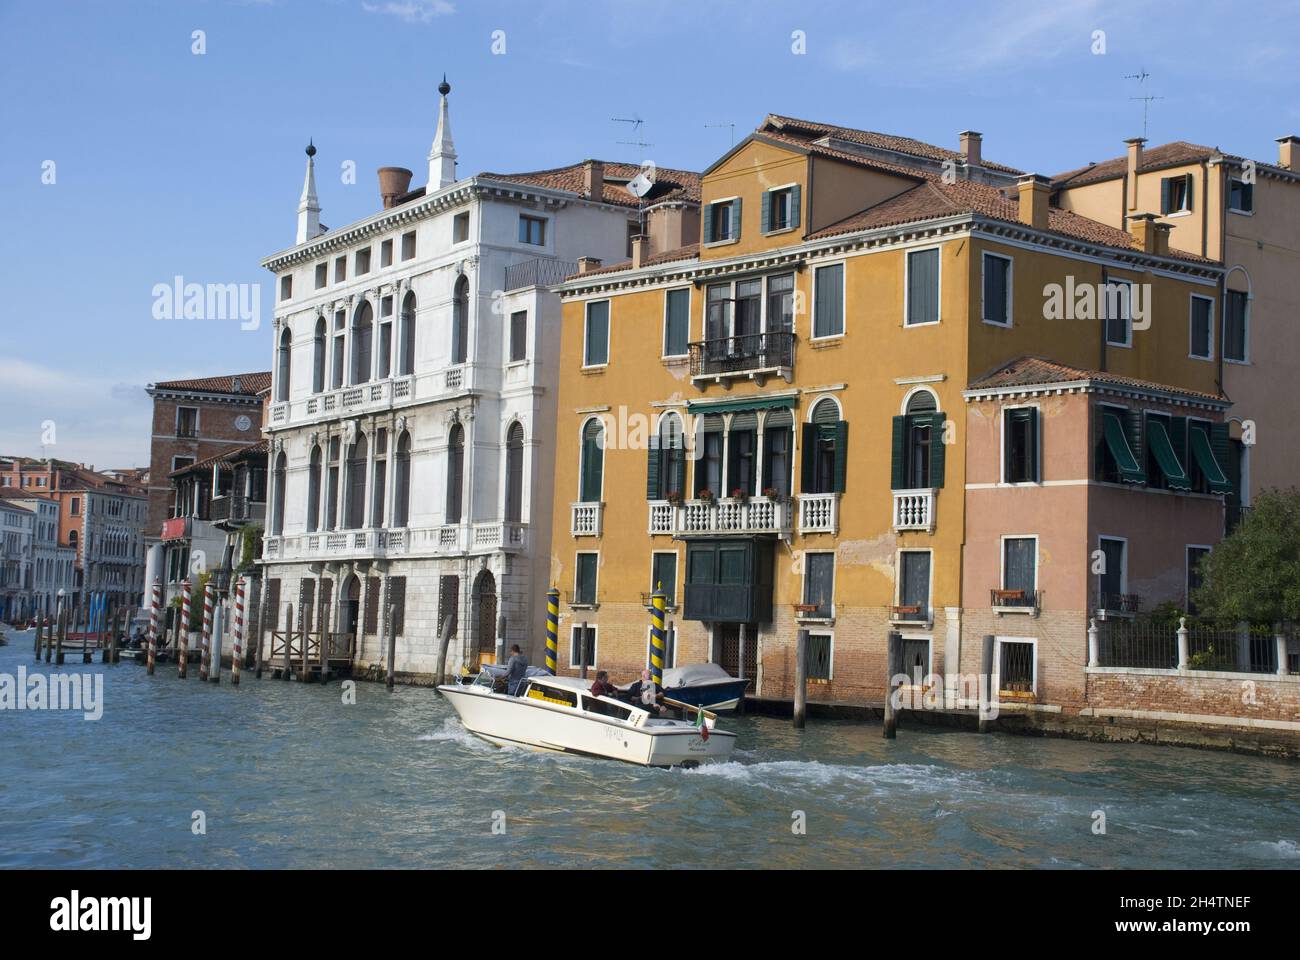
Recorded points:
(640, 185)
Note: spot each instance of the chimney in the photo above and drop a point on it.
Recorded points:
(1034, 193)
(970, 147)
(593, 179)
(1150, 236)
(393, 183)
(1134, 163)
(588, 264)
(640, 249)
(1288, 155)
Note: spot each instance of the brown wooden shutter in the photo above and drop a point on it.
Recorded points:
(371, 626)
(273, 615)
(308, 604)
(324, 602)
(448, 601)
(397, 599)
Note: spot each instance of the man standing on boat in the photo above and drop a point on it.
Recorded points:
(516, 669)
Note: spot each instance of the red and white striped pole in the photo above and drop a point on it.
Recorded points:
(237, 644)
(155, 605)
(183, 648)
(207, 631)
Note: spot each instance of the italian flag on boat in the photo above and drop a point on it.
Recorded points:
(702, 725)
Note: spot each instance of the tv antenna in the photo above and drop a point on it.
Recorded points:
(729, 126)
(637, 123)
(1141, 77)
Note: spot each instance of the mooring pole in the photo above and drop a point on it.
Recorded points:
(155, 604)
(91, 620)
(800, 679)
(552, 628)
(261, 628)
(447, 624)
(205, 639)
(892, 656)
(986, 684)
(392, 643)
(658, 636)
(123, 619)
(237, 640)
(40, 627)
(582, 648)
(288, 633)
(218, 634)
(183, 641)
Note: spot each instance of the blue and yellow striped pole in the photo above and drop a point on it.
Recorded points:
(552, 628)
(657, 634)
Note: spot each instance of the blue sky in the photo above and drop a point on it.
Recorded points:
(170, 163)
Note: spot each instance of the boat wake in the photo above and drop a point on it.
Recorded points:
(452, 732)
(878, 779)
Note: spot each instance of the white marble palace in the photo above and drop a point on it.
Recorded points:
(412, 419)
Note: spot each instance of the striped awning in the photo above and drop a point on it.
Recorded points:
(747, 403)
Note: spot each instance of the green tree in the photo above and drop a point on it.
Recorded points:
(1254, 574)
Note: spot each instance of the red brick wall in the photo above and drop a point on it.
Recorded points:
(1255, 696)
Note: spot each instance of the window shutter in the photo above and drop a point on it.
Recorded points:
(1221, 445)
(1191, 185)
(678, 479)
(372, 606)
(735, 219)
(808, 456)
(1134, 432)
(767, 211)
(937, 450)
(1164, 195)
(794, 205)
(1032, 446)
(1178, 438)
(708, 223)
(898, 455)
(841, 453)
(652, 488)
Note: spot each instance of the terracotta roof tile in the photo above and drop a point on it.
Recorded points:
(249, 383)
(1154, 158)
(670, 184)
(226, 459)
(689, 252)
(805, 129)
(1035, 371)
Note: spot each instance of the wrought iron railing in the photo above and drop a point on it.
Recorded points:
(741, 354)
(1015, 599)
(1138, 644)
(541, 272)
(1127, 604)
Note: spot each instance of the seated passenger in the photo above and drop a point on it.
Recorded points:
(646, 694)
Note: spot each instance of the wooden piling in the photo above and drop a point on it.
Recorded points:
(582, 649)
(155, 605)
(237, 637)
(205, 638)
(392, 643)
(40, 627)
(49, 633)
(63, 635)
(91, 622)
(448, 623)
(183, 641)
(893, 653)
(288, 633)
(986, 683)
(800, 679)
(218, 632)
(121, 617)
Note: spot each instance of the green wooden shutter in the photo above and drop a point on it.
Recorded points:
(794, 205)
(898, 455)
(1035, 468)
(708, 222)
(1134, 434)
(1178, 437)
(735, 219)
(937, 449)
(1164, 195)
(767, 211)
(808, 456)
(841, 453)
(652, 470)
(1191, 186)
(678, 479)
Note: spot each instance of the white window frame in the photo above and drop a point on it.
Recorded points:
(1191, 329)
(1190, 181)
(898, 579)
(609, 332)
(197, 414)
(815, 627)
(1038, 446)
(1127, 344)
(595, 589)
(582, 453)
(546, 231)
(733, 234)
(803, 588)
(677, 571)
(663, 341)
(1010, 290)
(1002, 556)
(907, 285)
(928, 637)
(812, 312)
(997, 661)
(1238, 210)
(1123, 571)
(1245, 330)
(595, 643)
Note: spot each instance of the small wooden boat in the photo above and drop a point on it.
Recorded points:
(704, 685)
(559, 713)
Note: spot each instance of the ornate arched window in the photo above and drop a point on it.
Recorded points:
(455, 472)
(515, 473)
(460, 321)
(362, 332)
(282, 366)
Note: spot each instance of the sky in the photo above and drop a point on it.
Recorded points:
(135, 151)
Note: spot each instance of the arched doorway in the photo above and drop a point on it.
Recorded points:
(485, 616)
(350, 608)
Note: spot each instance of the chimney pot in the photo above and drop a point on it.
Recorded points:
(640, 249)
(593, 179)
(971, 143)
(588, 264)
(393, 183)
(1034, 192)
(1288, 152)
(1134, 145)
(1150, 236)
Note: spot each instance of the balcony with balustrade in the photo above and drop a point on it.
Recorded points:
(366, 398)
(455, 539)
(914, 509)
(819, 513)
(740, 516)
(754, 356)
(586, 518)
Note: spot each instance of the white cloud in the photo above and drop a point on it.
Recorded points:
(412, 11)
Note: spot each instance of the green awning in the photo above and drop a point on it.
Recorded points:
(751, 403)
(1214, 474)
(1175, 474)
(1129, 470)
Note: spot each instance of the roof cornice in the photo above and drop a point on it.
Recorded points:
(1089, 385)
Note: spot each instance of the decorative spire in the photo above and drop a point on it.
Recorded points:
(442, 156)
(308, 204)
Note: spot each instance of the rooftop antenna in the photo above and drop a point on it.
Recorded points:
(729, 126)
(1141, 77)
(637, 123)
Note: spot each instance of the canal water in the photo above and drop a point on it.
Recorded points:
(287, 775)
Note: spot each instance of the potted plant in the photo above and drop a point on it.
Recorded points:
(773, 494)
(739, 495)
(674, 497)
(706, 495)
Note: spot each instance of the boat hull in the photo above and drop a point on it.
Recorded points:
(720, 697)
(520, 721)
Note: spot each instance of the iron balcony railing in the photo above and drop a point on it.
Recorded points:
(742, 354)
(1015, 599)
(1126, 604)
(237, 509)
(540, 272)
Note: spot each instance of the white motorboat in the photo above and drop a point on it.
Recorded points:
(560, 713)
